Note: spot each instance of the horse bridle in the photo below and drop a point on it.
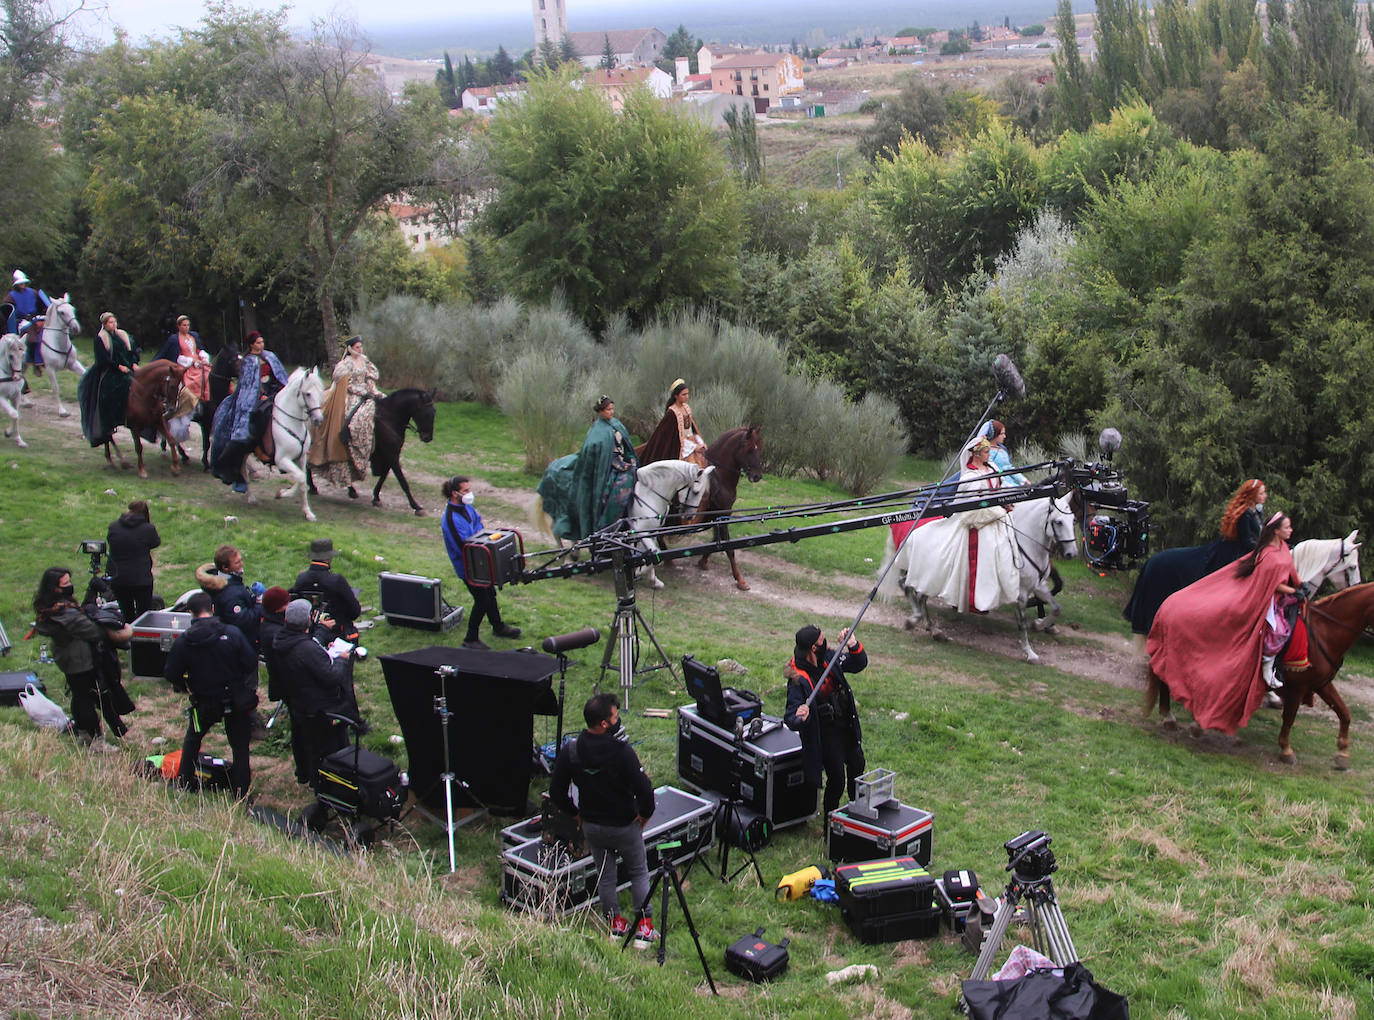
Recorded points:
(308, 412)
(666, 497)
(64, 329)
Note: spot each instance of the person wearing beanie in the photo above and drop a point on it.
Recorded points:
(832, 740)
(329, 590)
(213, 663)
(319, 687)
(131, 540)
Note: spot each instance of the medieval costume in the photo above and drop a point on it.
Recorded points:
(342, 445)
(103, 391)
(1171, 570)
(27, 305)
(676, 437)
(185, 350)
(968, 560)
(1205, 644)
(242, 418)
(603, 479)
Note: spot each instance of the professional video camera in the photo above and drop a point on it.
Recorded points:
(98, 590)
(1029, 855)
(1111, 540)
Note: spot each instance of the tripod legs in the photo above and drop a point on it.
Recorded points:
(623, 642)
(1049, 930)
(668, 870)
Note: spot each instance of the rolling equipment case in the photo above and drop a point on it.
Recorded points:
(154, 634)
(12, 685)
(897, 830)
(887, 900)
(755, 958)
(767, 766)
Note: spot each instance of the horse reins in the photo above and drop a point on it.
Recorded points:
(308, 412)
(64, 329)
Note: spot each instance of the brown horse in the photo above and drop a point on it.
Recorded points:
(1333, 625)
(739, 451)
(154, 399)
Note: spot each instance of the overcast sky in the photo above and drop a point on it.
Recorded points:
(156, 17)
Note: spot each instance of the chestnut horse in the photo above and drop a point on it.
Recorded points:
(154, 396)
(1333, 625)
(739, 451)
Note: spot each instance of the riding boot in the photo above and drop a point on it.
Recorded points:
(1267, 670)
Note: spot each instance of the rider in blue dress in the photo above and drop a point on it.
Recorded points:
(237, 428)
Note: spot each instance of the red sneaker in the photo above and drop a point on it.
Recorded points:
(619, 926)
(644, 931)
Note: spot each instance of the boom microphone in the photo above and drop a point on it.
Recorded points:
(560, 643)
(1009, 380)
(1109, 441)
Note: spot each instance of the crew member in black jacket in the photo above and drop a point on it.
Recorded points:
(830, 733)
(132, 540)
(336, 596)
(614, 800)
(234, 603)
(215, 661)
(320, 687)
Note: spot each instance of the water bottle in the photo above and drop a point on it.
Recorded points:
(43, 655)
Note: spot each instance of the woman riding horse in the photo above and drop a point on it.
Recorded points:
(104, 390)
(342, 447)
(1205, 645)
(676, 437)
(243, 418)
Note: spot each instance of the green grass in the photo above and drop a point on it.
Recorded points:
(1201, 879)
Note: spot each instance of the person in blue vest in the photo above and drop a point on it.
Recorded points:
(461, 522)
(28, 305)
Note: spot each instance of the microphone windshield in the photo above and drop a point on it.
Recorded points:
(1109, 441)
(571, 642)
(1009, 380)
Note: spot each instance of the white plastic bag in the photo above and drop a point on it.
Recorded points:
(43, 710)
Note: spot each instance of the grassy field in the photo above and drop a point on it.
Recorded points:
(1199, 877)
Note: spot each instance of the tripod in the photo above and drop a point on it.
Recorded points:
(1049, 930)
(666, 875)
(623, 639)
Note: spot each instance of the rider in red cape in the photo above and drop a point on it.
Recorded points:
(1205, 642)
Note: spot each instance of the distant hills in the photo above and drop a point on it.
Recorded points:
(809, 22)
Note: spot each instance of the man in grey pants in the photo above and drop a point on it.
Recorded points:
(614, 800)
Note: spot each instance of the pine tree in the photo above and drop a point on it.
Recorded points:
(607, 54)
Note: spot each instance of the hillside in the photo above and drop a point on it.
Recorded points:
(1199, 877)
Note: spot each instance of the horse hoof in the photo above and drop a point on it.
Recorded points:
(939, 635)
(64, 414)
(1169, 725)
(909, 623)
(352, 492)
(1033, 659)
(141, 473)
(1288, 758)
(1342, 762)
(310, 517)
(21, 444)
(421, 512)
(376, 502)
(657, 585)
(743, 585)
(1195, 731)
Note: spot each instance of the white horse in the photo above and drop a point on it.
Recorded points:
(58, 350)
(294, 410)
(12, 382)
(1329, 559)
(656, 486)
(1038, 528)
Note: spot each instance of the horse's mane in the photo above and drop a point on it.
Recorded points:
(1333, 600)
(727, 437)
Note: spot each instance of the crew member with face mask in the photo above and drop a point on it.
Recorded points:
(829, 726)
(461, 522)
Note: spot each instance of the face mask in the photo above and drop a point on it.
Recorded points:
(68, 591)
(467, 499)
(822, 649)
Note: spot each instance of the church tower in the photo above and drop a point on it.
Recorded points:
(551, 22)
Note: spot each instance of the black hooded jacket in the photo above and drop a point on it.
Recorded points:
(612, 787)
(314, 683)
(216, 662)
(131, 543)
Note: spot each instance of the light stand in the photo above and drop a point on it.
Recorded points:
(441, 709)
(1049, 931)
(623, 641)
(666, 875)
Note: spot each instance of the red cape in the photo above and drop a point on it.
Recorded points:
(1205, 642)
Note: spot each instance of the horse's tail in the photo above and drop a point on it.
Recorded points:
(890, 586)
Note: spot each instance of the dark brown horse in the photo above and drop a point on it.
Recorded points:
(155, 397)
(224, 373)
(1333, 625)
(734, 453)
